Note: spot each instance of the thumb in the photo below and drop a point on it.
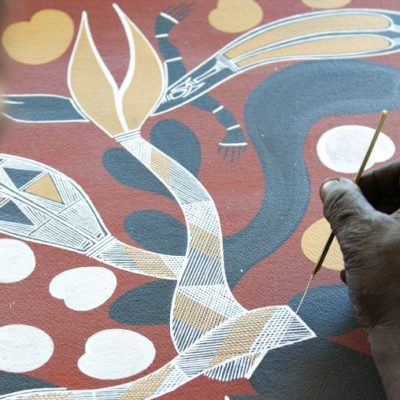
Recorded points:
(396, 215)
(345, 207)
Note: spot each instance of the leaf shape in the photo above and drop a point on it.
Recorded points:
(149, 304)
(10, 383)
(171, 137)
(143, 84)
(157, 231)
(91, 84)
(125, 168)
(306, 25)
(41, 108)
(321, 48)
(179, 142)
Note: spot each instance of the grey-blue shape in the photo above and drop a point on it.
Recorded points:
(11, 213)
(21, 177)
(42, 108)
(11, 383)
(278, 114)
(316, 369)
(173, 138)
(149, 304)
(157, 231)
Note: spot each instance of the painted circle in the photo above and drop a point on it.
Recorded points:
(232, 16)
(24, 348)
(116, 354)
(313, 242)
(343, 148)
(42, 39)
(326, 3)
(17, 261)
(84, 288)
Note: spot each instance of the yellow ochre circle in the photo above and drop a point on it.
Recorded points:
(326, 3)
(313, 242)
(42, 39)
(233, 16)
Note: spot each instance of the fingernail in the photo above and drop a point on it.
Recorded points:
(343, 276)
(326, 185)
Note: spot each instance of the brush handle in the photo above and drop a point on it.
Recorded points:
(357, 179)
(322, 257)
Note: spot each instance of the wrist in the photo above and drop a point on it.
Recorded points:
(385, 348)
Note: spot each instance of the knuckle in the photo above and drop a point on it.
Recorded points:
(339, 207)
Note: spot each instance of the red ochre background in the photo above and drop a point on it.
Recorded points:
(77, 149)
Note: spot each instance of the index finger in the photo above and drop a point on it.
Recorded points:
(381, 186)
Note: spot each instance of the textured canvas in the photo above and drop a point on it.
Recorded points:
(159, 207)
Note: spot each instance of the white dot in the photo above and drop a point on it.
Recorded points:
(17, 261)
(24, 348)
(84, 288)
(343, 148)
(116, 354)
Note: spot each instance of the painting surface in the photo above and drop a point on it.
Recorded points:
(159, 206)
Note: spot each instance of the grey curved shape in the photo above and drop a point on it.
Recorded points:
(278, 114)
(42, 108)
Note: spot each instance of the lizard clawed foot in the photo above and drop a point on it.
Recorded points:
(233, 144)
(179, 12)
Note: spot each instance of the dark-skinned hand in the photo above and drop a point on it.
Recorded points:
(366, 222)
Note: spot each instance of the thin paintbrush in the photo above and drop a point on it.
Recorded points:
(360, 172)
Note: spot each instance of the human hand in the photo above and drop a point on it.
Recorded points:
(366, 222)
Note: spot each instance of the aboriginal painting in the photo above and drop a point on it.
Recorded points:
(159, 208)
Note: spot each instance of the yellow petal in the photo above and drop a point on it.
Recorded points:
(41, 40)
(144, 83)
(326, 3)
(334, 47)
(91, 84)
(308, 26)
(313, 242)
(233, 16)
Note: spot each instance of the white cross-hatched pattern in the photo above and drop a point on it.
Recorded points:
(138, 148)
(214, 297)
(213, 334)
(284, 328)
(202, 270)
(198, 214)
(40, 204)
(204, 264)
(81, 214)
(235, 369)
(187, 192)
(206, 321)
(175, 263)
(217, 354)
(213, 331)
(61, 235)
(129, 258)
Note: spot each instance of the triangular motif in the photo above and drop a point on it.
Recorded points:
(45, 187)
(11, 213)
(20, 177)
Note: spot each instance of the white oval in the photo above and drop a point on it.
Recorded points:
(24, 348)
(116, 354)
(85, 288)
(343, 148)
(17, 261)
